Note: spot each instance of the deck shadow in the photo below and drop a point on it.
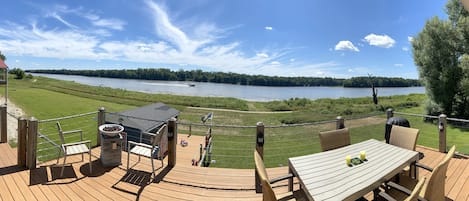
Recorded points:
(11, 169)
(69, 172)
(136, 178)
(98, 169)
(160, 176)
(38, 176)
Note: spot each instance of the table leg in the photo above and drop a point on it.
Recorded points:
(290, 181)
(376, 193)
(413, 171)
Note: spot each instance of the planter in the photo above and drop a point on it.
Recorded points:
(110, 130)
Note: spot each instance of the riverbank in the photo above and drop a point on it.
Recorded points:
(243, 92)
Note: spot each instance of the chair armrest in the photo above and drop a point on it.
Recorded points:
(140, 144)
(74, 131)
(275, 180)
(150, 134)
(386, 196)
(399, 188)
(424, 167)
(403, 190)
(77, 143)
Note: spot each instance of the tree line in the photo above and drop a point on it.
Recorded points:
(235, 78)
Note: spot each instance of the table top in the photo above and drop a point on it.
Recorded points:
(325, 175)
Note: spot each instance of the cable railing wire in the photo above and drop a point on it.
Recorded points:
(417, 115)
(67, 117)
(133, 117)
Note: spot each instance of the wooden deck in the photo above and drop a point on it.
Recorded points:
(183, 182)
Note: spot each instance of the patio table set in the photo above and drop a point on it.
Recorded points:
(345, 171)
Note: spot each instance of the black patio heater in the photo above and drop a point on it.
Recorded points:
(399, 121)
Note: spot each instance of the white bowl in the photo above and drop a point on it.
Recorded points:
(111, 129)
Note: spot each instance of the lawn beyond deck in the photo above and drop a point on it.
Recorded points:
(183, 182)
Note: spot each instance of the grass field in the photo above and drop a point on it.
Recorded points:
(45, 98)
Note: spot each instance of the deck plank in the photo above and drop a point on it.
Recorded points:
(5, 193)
(183, 182)
(458, 188)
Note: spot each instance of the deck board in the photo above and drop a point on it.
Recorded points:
(183, 182)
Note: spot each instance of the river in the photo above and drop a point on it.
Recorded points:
(251, 93)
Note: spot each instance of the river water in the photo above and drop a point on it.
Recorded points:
(251, 93)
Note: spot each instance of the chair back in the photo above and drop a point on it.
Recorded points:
(435, 186)
(159, 135)
(334, 139)
(61, 133)
(267, 191)
(404, 137)
(415, 193)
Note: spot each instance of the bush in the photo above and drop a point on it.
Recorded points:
(18, 72)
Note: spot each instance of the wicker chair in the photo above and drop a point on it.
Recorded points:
(434, 187)
(334, 139)
(267, 191)
(73, 148)
(412, 197)
(405, 138)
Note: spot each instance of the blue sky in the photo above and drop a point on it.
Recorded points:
(327, 38)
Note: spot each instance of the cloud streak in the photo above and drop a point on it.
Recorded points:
(171, 45)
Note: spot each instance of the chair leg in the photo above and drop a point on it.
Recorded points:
(91, 169)
(152, 168)
(128, 159)
(63, 166)
(82, 157)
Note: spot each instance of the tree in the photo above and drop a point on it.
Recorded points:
(19, 74)
(2, 57)
(440, 52)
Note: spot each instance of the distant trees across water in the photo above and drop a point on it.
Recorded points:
(235, 78)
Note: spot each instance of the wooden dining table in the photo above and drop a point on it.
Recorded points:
(326, 176)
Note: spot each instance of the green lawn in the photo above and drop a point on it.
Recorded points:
(233, 146)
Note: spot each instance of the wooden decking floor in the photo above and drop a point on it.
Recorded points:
(183, 182)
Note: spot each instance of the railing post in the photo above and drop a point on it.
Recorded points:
(260, 150)
(3, 123)
(172, 141)
(101, 121)
(389, 113)
(32, 143)
(442, 132)
(22, 133)
(340, 123)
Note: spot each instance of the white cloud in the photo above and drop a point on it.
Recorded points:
(346, 45)
(350, 70)
(380, 40)
(171, 46)
(410, 38)
(109, 23)
(268, 28)
(262, 55)
(405, 49)
(59, 11)
(275, 63)
(60, 19)
(398, 65)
